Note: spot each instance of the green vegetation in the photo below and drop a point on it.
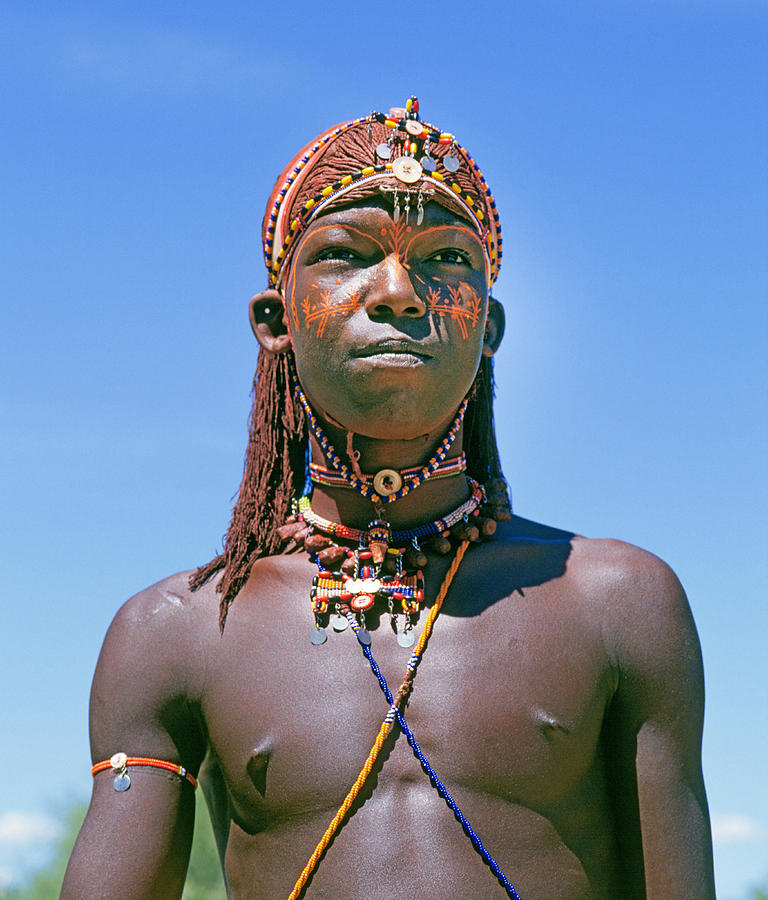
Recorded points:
(204, 879)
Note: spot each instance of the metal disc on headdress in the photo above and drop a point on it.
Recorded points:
(407, 169)
(428, 163)
(383, 151)
(451, 163)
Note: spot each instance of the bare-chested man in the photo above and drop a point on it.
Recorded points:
(558, 700)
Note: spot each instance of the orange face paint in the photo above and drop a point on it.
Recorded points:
(398, 244)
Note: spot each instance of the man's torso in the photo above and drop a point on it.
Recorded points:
(508, 706)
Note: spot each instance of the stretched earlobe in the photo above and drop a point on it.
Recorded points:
(266, 312)
(494, 327)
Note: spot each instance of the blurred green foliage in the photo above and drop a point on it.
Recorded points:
(204, 878)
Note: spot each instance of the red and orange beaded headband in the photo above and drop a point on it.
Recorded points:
(397, 147)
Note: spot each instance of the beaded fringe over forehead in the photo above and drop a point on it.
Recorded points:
(342, 164)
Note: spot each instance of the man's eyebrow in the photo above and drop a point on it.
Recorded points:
(346, 226)
(463, 229)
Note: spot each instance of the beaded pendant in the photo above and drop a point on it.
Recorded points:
(341, 598)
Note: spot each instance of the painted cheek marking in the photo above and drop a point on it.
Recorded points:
(462, 304)
(327, 308)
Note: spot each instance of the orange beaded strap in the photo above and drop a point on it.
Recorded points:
(119, 764)
(386, 727)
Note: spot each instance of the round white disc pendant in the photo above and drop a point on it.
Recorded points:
(407, 169)
(387, 481)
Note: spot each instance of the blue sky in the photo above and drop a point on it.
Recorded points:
(626, 144)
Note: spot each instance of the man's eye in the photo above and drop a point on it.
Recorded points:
(344, 254)
(451, 256)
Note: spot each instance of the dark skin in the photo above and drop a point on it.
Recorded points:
(560, 698)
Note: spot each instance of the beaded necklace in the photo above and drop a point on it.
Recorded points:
(387, 480)
(401, 536)
(393, 714)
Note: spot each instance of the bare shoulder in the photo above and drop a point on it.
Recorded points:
(152, 669)
(647, 626)
(625, 574)
(634, 595)
(638, 591)
(165, 615)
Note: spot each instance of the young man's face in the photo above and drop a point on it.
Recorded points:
(387, 319)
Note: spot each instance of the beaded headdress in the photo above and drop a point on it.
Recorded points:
(396, 153)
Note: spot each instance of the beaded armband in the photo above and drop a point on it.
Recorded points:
(119, 765)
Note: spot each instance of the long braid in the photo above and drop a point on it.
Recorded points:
(273, 475)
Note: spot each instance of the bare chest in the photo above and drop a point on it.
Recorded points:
(508, 702)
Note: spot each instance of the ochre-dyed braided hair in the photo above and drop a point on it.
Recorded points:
(275, 470)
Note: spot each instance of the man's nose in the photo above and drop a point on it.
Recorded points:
(392, 292)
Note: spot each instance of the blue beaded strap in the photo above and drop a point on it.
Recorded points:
(394, 713)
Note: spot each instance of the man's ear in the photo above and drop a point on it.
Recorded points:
(266, 312)
(494, 327)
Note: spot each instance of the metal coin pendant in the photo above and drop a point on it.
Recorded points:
(406, 638)
(384, 151)
(407, 169)
(451, 163)
(428, 163)
(364, 637)
(122, 782)
(318, 636)
(339, 622)
(387, 482)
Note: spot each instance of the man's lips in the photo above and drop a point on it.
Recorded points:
(392, 346)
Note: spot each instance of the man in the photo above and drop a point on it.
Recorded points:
(407, 690)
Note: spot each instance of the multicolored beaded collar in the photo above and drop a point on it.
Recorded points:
(406, 156)
(387, 481)
(380, 531)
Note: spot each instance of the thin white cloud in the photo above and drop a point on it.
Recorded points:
(734, 828)
(18, 828)
(136, 56)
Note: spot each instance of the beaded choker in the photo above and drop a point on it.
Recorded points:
(384, 480)
(387, 481)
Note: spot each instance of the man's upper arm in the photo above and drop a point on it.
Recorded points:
(660, 703)
(135, 844)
